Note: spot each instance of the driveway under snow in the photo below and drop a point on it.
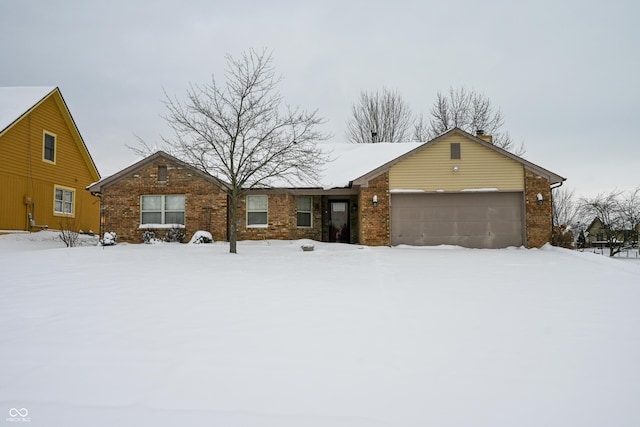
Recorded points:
(166, 335)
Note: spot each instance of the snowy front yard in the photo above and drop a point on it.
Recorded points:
(167, 335)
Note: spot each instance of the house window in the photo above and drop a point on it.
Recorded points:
(49, 147)
(162, 209)
(455, 151)
(257, 211)
(303, 205)
(64, 200)
(162, 173)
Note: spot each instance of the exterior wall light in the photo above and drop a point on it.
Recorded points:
(375, 200)
(540, 199)
(456, 168)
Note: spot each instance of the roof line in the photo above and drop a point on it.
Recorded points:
(553, 178)
(30, 109)
(97, 187)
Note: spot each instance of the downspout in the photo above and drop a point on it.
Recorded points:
(551, 188)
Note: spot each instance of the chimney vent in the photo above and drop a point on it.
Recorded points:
(479, 132)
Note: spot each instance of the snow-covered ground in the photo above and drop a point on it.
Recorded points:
(189, 335)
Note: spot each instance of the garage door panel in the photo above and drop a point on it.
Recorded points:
(477, 220)
(471, 214)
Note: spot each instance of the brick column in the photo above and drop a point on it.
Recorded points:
(538, 217)
(374, 220)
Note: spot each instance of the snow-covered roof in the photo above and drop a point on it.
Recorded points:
(15, 101)
(351, 161)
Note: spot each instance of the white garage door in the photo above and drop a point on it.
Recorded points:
(472, 220)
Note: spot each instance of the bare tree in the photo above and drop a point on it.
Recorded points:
(243, 133)
(564, 216)
(379, 117)
(470, 111)
(565, 208)
(607, 208)
(630, 212)
(421, 130)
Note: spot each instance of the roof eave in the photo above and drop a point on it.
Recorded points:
(99, 186)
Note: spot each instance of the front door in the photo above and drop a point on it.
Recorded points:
(339, 222)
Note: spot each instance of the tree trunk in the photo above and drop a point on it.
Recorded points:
(233, 222)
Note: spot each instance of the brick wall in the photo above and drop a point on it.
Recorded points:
(281, 219)
(538, 217)
(205, 203)
(374, 221)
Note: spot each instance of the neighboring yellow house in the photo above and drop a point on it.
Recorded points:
(44, 164)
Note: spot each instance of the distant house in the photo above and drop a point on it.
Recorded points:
(597, 235)
(44, 164)
(457, 189)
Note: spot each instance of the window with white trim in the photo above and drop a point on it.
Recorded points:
(304, 209)
(257, 211)
(162, 209)
(64, 201)
(49, 147)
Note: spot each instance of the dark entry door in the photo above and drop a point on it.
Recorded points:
(339, 222)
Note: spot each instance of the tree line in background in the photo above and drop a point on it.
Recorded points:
(610, 219)
(384, 116)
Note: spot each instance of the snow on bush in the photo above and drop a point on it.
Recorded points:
(201, 236)
(175, 234)
(149, 237)
(109, 239)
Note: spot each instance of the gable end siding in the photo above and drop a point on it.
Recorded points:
(23, 173)
(432, 169)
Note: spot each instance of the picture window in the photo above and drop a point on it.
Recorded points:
(162, 209)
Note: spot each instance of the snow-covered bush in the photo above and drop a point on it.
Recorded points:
(175, 235)
(201, 237)
(109, 239)
(148, 236)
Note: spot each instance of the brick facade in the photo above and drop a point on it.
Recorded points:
(374, 220)
(205, 202)
(282, 219)
(206, 205)
(538, 217)
(206, 209)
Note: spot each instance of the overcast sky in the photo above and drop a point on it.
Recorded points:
(566, 74)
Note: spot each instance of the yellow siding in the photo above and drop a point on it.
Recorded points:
(24, 173)
(479, 167)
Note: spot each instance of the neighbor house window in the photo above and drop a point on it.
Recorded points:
(64, 200)
(162, 209)
(257, 211)
(49, 147)
(303, 204)
(455, 151)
